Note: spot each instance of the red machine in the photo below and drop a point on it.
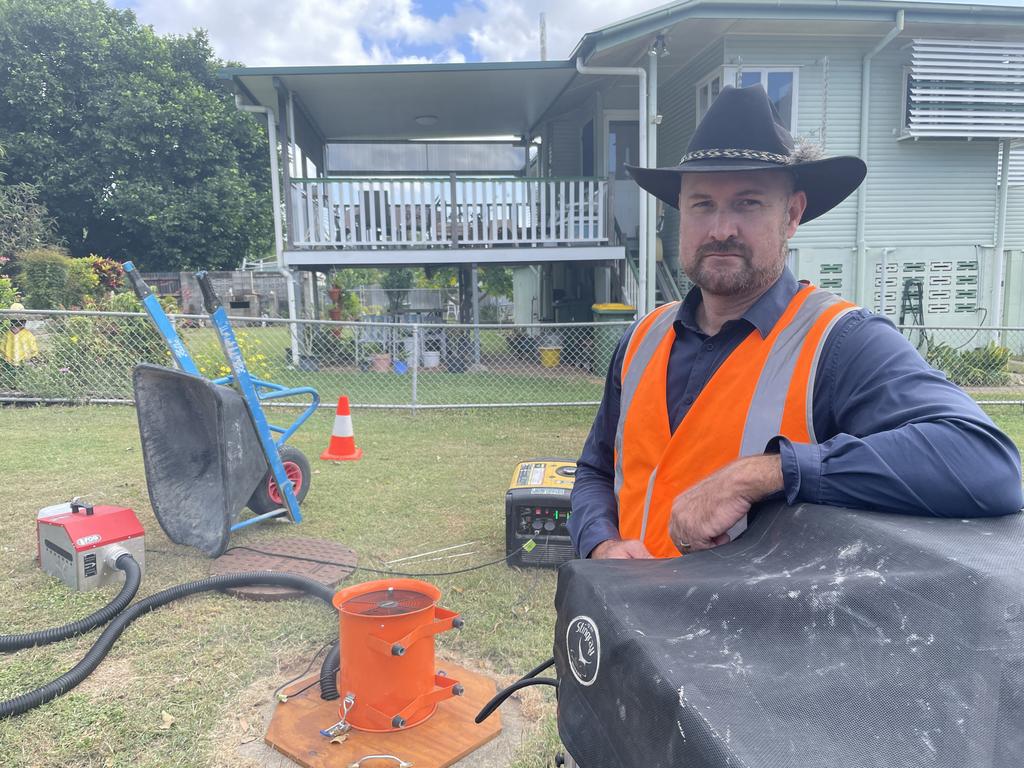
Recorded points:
(79, 543)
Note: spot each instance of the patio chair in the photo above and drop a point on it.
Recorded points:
(377, 335)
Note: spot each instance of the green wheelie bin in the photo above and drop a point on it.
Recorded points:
(614, 319)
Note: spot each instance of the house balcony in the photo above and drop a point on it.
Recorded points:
(453, 219)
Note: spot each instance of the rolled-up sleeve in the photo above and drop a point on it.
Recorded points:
(900, 436)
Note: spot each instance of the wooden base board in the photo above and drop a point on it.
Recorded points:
(442, 740)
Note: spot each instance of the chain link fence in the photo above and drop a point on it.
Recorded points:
(89, 356)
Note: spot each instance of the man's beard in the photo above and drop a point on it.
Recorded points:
(742, 280)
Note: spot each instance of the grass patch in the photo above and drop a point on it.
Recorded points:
(504, 378)
(426, 481)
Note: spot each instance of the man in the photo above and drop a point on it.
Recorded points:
(756, 384)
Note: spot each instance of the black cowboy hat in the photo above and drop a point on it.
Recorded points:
(742, 132)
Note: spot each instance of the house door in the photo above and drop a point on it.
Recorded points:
(624, 147)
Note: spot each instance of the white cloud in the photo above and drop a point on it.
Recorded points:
(308, 32)
(506, 31)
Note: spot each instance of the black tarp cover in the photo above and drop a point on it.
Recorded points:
(822, 637)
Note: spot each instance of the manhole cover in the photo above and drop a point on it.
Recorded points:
(283, 556)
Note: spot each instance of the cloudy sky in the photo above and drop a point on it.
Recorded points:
(309, 32)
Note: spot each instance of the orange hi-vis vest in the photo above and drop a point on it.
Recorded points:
(763, 389)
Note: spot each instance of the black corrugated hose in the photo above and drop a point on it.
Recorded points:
(102, 646)
(530, 678)
(329, 673)
(132, 579)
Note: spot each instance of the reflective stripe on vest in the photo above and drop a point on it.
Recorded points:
(763, 389)
(652, 330)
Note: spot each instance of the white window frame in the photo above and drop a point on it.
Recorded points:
(613, 116)
(731, 75)
(705, 85)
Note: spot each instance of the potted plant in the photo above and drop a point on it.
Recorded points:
(380, 360)
(335, 289)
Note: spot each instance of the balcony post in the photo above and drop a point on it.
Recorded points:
(455, 210)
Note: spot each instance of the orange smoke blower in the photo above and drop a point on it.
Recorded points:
(388, 680)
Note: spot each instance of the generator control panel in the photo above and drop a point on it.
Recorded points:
(543, 520)
(536, 512)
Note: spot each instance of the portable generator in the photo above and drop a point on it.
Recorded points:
(80, 543)
(536, 512)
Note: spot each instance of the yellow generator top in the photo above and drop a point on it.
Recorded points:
(544, 473)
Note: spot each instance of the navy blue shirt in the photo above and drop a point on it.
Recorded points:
(895, 434)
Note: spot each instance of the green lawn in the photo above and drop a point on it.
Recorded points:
(503, 378)
(427, 480)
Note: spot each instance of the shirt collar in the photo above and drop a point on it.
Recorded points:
(763, 314)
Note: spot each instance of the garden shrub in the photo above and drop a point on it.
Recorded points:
(109, 273)
(42, 277)
(8, 293)
(985, 366)
(81, 284)
(8, 296)
(49, 279)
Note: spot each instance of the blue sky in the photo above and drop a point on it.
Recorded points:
(434, 9)
(322, 32)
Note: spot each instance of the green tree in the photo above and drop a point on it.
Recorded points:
(24, 221)
(133, 143)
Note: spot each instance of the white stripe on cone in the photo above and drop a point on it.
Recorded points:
(343, 426)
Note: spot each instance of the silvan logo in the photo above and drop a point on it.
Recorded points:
(583, 646)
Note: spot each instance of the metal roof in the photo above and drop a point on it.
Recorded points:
(510, 98)
(931, 12)
(383, 102)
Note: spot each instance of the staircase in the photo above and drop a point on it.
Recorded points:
(665, 287)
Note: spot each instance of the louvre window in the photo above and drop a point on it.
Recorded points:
(964, 89)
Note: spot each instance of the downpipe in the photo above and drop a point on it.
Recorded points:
(860, 261)
(275, 195)
(642, 119)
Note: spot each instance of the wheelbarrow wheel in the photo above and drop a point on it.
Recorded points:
(267, 496)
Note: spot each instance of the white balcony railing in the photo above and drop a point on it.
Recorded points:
(447, 212)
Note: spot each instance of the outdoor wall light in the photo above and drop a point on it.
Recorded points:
(425, 120)
(659, 47)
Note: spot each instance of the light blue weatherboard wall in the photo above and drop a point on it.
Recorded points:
(677, 104)
(931, 203)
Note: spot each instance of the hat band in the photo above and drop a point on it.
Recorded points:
(739, 154)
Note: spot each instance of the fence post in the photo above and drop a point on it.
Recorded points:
(415, 364)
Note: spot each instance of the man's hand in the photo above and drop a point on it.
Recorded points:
(702, 514)
(617, 549)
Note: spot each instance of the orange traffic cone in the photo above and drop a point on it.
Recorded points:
(343, 442)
